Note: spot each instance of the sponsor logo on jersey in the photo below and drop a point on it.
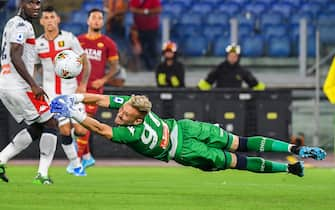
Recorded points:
(131, 130)
(93, 54)
(61, 43)
(100, 45)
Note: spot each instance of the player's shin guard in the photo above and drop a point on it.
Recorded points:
(70, 151)
(83, 144)
(48, 144)
(21, 141)
(262, 144)
(260, 165)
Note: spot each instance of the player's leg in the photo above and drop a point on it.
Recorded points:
(266, 144)
(20, 142)
(68, 146)
(48, 143)
(197, 154)
(17, 103)
(83, 142)
(260, 165)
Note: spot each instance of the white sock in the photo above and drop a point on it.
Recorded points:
(20, 142)
(48, 144)
(71, 154)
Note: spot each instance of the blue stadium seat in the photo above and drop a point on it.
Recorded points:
(311, 49)
(274, 31)
(174, 8)
(245, 30)
(240, 2)
(295, 31)
(87, 6)
(255, 8)
(195, 46)
(191, 18)
(323, 2)
(295, 18)
(217, 18)
(75, 28)
(295, 3)
(213, 31)
(252, 46)
(312, 7)
(279, 47)
(247, 19)
(326, 18)
(12, 5)
(186, 3)
(172, 18)
(284, 8)
(184, 30)
(202, 8)
(220, 44)
(330, 8)
(271, 18)
(232, 9)
(79, 16)
(266, 2)
(212, 2)
(327, 34)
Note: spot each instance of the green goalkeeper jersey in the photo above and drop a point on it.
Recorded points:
(155, 137)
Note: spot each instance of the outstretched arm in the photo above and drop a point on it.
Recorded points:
(98, 127)
(90, 98)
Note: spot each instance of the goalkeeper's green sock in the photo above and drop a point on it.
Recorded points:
(260, 165)
(265, 144)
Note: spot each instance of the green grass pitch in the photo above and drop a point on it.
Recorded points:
(168, 188)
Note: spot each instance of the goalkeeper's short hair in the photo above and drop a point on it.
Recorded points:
(141, 103)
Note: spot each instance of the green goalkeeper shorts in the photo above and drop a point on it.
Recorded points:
(204, 146)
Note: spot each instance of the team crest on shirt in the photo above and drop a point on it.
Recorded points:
(100, 45)
(61, 43)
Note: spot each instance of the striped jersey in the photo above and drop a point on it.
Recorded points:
(46, 52)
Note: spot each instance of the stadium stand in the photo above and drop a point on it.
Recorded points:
(257, 18)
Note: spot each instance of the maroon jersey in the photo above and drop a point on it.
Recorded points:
(98, 50)
(146, 22)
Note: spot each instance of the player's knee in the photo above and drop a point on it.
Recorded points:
(35, 131)
(65, 130)
(51, 123)
(66, 139)
(80, 131)
(48, 130)
(242, 144)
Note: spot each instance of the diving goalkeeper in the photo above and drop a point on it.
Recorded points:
(190, 143)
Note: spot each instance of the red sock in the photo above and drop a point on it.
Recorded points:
(83, 144)
(87, 147)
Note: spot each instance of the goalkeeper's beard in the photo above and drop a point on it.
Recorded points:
(97, 30)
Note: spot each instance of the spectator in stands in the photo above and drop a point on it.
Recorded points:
(146, 19)
(170, 72)
(230, 74)
(116, 12)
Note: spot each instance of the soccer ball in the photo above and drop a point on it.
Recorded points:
(68, 64)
